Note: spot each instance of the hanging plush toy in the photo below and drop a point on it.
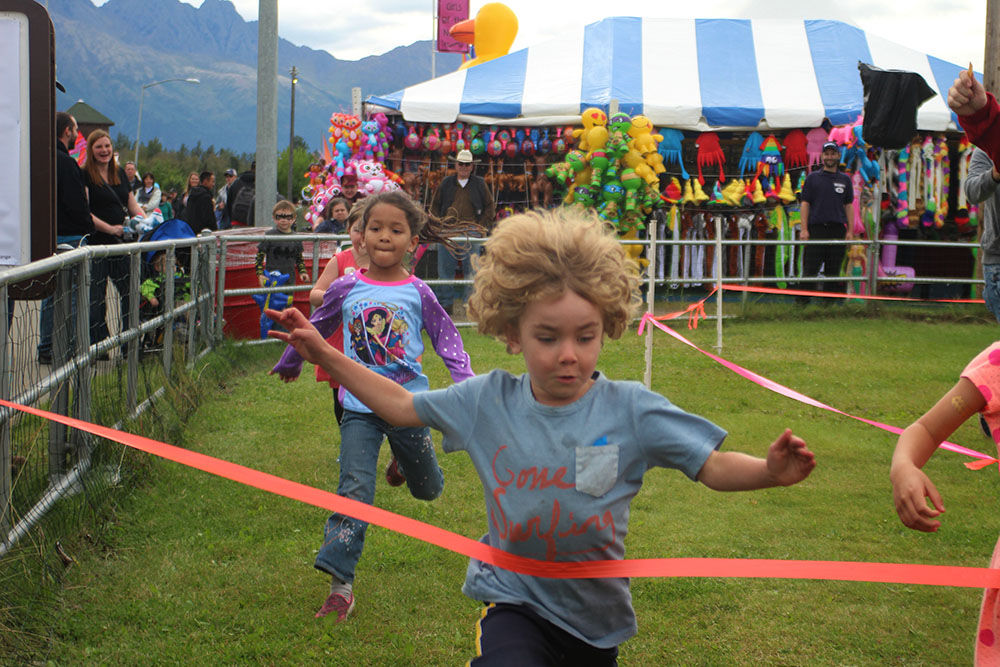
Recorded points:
(644, 140)
(412, 140)
(796, 154)
(815, 138)
(559, 145)
(598, 159)
(591, 118)
(670, 149)
(770, 168)
(751, 154)
(544, 144)
(710, 153)
(477, 144)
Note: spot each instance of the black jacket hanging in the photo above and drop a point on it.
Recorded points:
(892, 97)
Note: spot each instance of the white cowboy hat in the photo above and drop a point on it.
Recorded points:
(464, 157)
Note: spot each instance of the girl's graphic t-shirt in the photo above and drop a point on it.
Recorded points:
(381, 325)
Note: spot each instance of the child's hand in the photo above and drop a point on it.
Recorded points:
(303, 277)
(911, 488)
(789, 461)
(262, 280)
(966, 95)
(300, 334)
(154, 302)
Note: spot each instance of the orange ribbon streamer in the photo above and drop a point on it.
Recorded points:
(898, 573)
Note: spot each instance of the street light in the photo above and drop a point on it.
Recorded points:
(291, 134)
(142, 94)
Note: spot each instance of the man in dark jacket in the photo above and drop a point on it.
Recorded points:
(73, 221)
(466, 197)
(243, 215)
(200, 209)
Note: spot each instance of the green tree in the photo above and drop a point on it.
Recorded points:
(301, 160)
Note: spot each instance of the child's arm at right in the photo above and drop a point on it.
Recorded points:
(389, 400)
(324, 281)
(911, 487)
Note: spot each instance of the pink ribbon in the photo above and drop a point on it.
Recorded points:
(983, 459)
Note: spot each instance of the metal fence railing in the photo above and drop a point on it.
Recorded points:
(112, 355)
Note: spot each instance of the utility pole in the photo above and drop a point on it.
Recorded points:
(267, 112)
(291, 136)
(991, 61)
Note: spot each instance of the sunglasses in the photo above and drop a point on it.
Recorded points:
(285, 216)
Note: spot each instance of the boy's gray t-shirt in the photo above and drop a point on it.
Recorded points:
(558, 482)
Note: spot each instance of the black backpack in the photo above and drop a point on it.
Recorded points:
(242, 207)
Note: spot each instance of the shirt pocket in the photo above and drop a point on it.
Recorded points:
(596, 469)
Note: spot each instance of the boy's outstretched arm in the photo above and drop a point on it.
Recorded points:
(911, 487)
(788, 462)
(388, 400)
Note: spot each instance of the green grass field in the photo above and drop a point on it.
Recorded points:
(196, 569)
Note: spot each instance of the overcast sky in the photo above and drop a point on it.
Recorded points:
(949, 29)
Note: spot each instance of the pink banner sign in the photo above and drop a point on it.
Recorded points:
(451, 12)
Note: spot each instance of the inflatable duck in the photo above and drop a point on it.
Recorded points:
(491, 33)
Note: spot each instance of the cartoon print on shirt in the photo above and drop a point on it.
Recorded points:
(379, 335)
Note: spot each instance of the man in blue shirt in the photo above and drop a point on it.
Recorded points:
(826, 214)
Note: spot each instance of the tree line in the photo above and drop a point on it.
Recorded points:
(171, 168)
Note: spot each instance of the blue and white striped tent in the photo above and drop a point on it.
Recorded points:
(689, 74)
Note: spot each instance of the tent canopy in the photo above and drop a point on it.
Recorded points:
(689, 74)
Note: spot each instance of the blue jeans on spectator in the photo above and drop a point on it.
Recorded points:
(991, 292)
(45, 317)
(447, 266)
(361, 436)
(116, 269)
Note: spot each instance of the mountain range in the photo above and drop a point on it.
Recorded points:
(104, 56)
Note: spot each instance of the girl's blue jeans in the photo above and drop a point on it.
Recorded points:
(361, 436)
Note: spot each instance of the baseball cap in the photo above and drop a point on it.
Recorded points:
(230, 172)
(830, 145)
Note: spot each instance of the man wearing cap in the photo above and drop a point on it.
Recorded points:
(349, 189)
(221, 215)
(466, 197)
(826, 214)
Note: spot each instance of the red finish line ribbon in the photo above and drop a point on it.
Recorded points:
(897, 573)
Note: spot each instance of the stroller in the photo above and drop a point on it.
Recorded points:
(153, 280)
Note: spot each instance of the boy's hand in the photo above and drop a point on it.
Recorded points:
(300, 334)
(789, 461)
(911, 489)
(966, 95)
(303, 277)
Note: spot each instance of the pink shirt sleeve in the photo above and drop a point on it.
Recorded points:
(984, 372)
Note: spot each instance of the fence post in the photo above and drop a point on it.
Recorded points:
(133, 318)
(208, 281)
(197, 293)
(6, 484)
(81, 398)
(60, 355)
(647, 377)
(718, 282)
(220, 294)
(169, 269)
(873, 269)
